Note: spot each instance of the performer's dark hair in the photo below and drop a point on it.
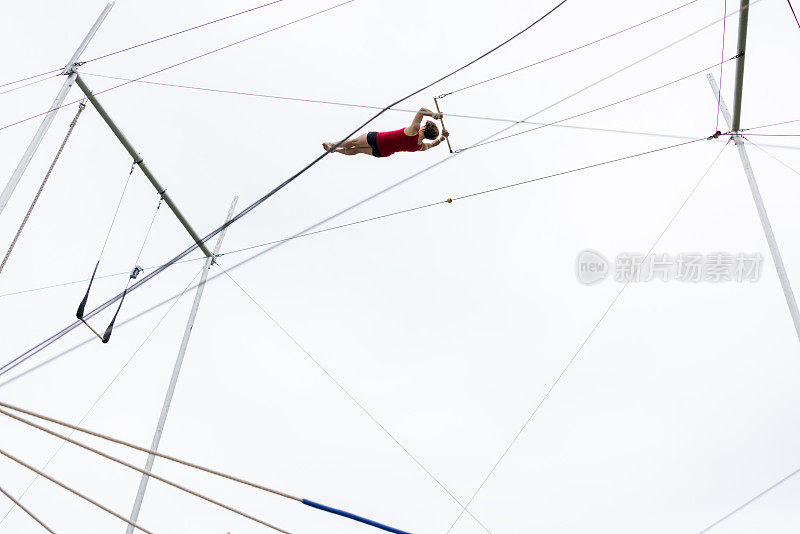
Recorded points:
(431, 130)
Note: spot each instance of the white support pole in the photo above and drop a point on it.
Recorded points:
(137, 505)
(762, 212)
(5, 196)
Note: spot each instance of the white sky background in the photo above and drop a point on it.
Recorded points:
(449, 324)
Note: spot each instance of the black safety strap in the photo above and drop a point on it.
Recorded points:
(134, 273)
(82, 305)
(107, 334)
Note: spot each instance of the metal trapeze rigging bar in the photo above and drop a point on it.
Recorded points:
(140, 162)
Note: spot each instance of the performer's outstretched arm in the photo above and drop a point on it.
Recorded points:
(426, 146)
(413, 128)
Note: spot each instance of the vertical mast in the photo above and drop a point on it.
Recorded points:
(733, 124)
(744, 14)
(137, 505)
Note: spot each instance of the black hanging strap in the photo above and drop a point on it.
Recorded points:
(82, 306)
(134, 273)
(107, 334)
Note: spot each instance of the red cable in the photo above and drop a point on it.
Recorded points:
(793, 13)
(150, 41)
(179, 63)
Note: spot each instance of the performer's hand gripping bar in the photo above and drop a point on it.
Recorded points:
(439, 111)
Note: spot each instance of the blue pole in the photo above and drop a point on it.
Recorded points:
(353, 516)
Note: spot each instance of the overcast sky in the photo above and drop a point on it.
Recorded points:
(448, 324)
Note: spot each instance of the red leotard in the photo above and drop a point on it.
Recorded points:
(396, 141)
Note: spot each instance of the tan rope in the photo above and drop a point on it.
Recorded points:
(155, 453)
(15, 501)
(142, 471)
(41, 187)
(76, 492)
